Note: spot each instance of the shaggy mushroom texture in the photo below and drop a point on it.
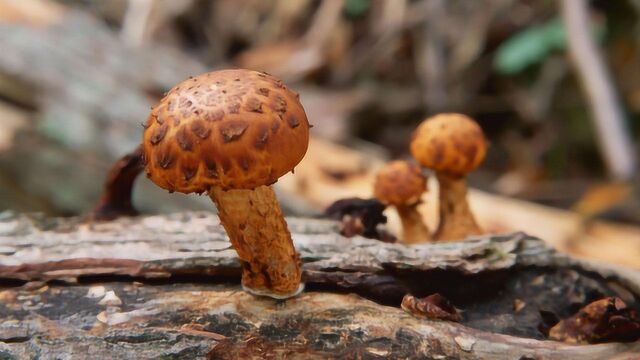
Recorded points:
(232, 133)
(452, 145)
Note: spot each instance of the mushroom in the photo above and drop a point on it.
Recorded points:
(400, 184)
(452, 145)
(231, 134)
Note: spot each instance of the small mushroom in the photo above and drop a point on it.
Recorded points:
(401, 184)
(231, 134)
(452, 145)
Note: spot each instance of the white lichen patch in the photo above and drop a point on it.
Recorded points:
(96, 292)
(465, 342)
(110, 298)
(115, 318)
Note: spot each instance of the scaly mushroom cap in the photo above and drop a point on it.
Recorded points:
(453, 144)
(399, 183)
(236, 129)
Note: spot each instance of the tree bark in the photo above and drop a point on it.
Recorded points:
(176, 294)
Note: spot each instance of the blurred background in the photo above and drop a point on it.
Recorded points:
(554, 84)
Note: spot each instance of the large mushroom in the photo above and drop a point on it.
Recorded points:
(231, 134)
(452, 145)
(401, 184)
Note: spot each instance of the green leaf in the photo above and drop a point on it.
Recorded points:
(355, 8)
(533, 44)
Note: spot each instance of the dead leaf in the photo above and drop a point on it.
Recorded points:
(604, 320)
(434, 306)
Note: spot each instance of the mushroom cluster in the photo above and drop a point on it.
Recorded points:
(231, 134)
(452, 145)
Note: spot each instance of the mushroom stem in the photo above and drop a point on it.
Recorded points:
(258, 232)
(414, 229)
(456, 220)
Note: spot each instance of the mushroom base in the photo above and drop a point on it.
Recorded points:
(273, 295)
(456, 220)
(414, 229)
(258, 232)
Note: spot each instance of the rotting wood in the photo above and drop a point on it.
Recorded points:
(190, 321)
(177, 279)
(88, 94)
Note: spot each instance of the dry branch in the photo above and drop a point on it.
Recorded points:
(608, 116)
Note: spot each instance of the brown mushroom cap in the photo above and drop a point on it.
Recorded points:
(236, 129)
(453, 144)
(399, 183)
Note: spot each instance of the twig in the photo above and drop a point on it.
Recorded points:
(325, 19)
(135, 22)
(608, 117)
(116, 197)
(431, 58)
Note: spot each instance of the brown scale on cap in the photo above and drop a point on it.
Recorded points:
(452, 145)
(401, 184)
(232, 133)
(221, 117)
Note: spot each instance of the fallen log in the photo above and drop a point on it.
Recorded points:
(167, 287)
(83, 95)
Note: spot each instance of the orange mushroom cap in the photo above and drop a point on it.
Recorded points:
(450, 143)
(399, 183)
(235, 129)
